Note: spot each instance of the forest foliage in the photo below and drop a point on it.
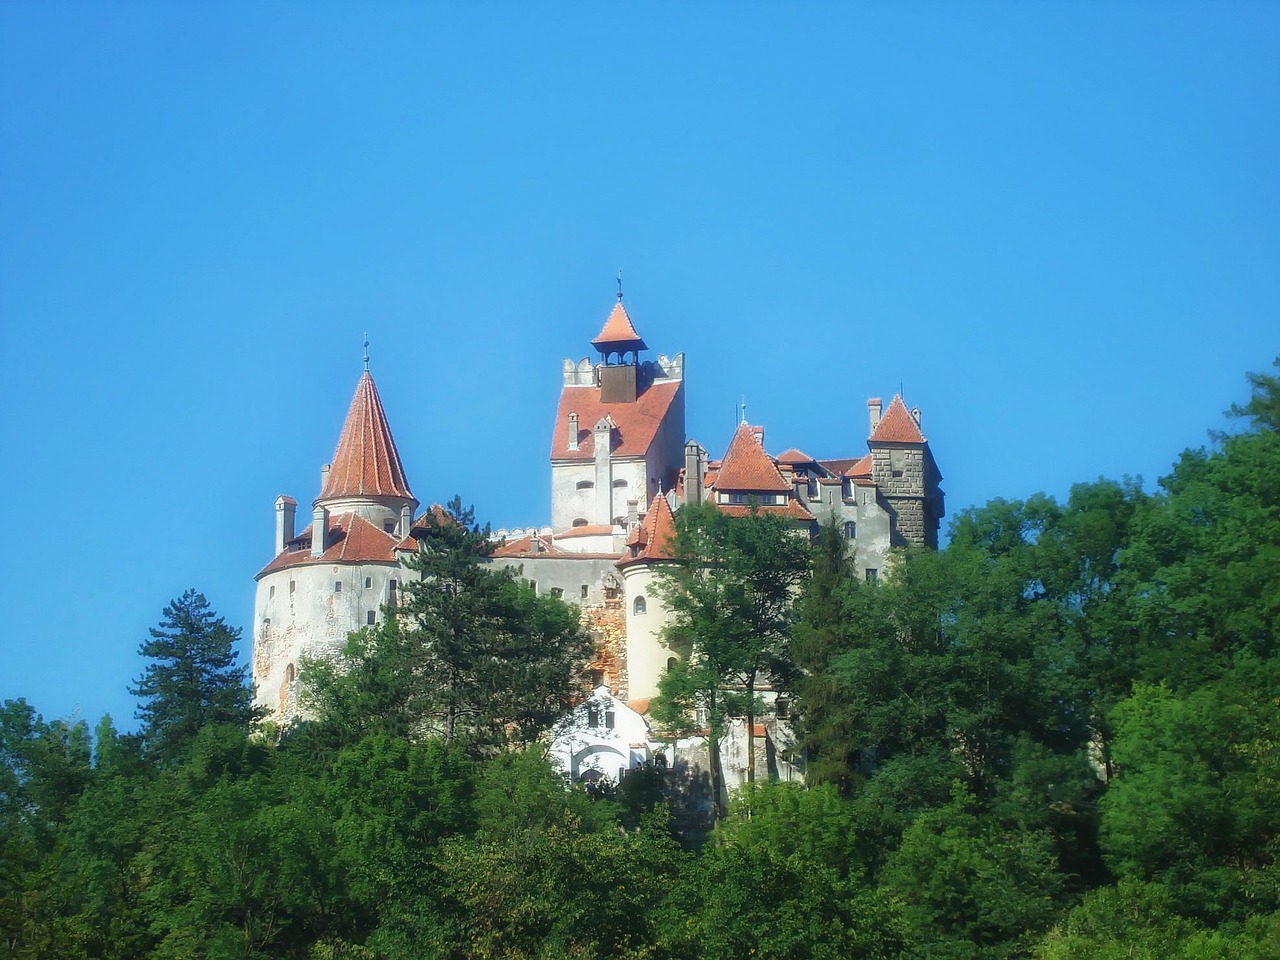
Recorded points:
(1055, 738)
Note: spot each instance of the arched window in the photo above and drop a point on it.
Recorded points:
(580, 522)
(640, 607)
(619, 484)
(290, 673)
(671, 664)
(850, 530)
(586, 484)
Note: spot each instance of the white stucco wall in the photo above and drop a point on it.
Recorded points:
(647, 655)
(312, 619)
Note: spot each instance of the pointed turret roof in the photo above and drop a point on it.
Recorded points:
(366, 463)
(618, 332)
(653, 538)
(897, 425)
(747, 467)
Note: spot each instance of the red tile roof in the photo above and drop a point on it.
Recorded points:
(366, 462)
(792, 508)
(897, 425)
(794, 456)
(860, 469)
(653, 538)
(352, 539)
(637, 423)
(585, 530)
(618, 332)
(747, 467)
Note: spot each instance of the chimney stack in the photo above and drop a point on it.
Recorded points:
(695, 470)
(324, 478)
(873, 410)
(573, 431)
(319, 529)
(406, 520)
(286, 511)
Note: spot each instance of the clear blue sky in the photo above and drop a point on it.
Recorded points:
(1058, 226)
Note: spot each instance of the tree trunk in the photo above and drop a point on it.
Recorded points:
(751, 727)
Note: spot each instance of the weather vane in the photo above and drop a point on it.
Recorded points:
(619, 284)
(366, 352)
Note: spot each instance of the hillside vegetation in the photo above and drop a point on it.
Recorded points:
(1055, 738)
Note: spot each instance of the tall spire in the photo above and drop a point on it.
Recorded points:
(366, 351)
(366, 463)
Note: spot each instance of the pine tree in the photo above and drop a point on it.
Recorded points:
(193, 679)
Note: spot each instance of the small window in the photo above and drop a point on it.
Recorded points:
(369, 617)
(271, 594)
(671, 664)
(580, 522)
(290, 673)
(586, 484)
(782, 708)
(593, 716)
(557, 592)
(608, 719)
(392, 595)
(595, 678)
(872, 574)
(850, 530)
(586, 591)
(368, 583)
(389, 526)
(640, 607)
(611, 592)
(619, 483)
(292, 586)
(813, 488)
(337, 586)
(533, 585)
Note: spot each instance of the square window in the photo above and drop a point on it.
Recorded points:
(369, 617)
(337, 586)
(586, 592)
(872, 574)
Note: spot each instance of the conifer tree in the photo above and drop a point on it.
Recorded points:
(192, 679)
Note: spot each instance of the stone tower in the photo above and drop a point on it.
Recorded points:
(905, 474)
(334, 576)
(618, 437)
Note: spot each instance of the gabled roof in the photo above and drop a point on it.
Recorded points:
(897, 425)
(795, 457)
(653, 538)
(366, 463)
(353, 539)
(860, 469)
(747, 468)
(618, 332)
(637, 423)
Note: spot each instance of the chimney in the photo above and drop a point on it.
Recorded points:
(603, 441)
(758, 433)
(695, 470)
(324, 478)
(915, 415)
(406, 520)
(573, 431)
(319, 529)
(873, 410)
(286, 511)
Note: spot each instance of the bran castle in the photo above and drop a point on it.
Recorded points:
(621, 466)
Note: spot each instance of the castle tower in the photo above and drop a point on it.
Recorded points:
(905, 474)
(648, 549)
(618, 437)
(334, 576)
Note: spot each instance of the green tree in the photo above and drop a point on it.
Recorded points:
(730, 591)
(473, 654)
(192, 679)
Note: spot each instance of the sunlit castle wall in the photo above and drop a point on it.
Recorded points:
(308, 610)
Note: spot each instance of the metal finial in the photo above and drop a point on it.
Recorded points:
(619, 284)
(366, 353)
(744, 408)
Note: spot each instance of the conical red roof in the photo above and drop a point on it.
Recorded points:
(618, 332)
(654, 538)
(747, 468)
(366, 463)
(898, 425)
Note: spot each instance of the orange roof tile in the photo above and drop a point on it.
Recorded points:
(655, 534)
(792, 508)
(618, 332)
(640, 706)
(794, 456)
(366, 463)
(860, 469)
(353, 539)
(636, 423)
(897, 425)
(585, 530)
(747, 467)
